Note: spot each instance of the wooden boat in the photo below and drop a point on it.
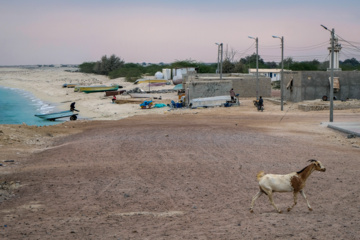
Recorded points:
(56, 115)
(140, 95)
(90, 89)
(112, 93)
(144, 80)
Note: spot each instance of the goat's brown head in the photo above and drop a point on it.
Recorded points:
(318, 165)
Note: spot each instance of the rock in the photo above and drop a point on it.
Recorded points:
(351, 136)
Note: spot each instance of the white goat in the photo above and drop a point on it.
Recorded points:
(292, 182)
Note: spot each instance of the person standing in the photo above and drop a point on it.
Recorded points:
(261, 103)
(113, 99)
(232, 95)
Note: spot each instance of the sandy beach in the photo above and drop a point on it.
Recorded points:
(180, 174)
(46, 84)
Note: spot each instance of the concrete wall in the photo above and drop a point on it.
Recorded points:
(243, 84)
(246, 86)
(202, 89)
(310, 85)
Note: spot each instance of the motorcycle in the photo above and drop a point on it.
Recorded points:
(256, 104)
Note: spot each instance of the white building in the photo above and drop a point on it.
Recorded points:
(337, 48)
(274, 74)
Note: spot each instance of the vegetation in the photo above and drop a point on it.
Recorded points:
(115, 67)
(350, 64)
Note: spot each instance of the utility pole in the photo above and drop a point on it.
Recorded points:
(332, 73)
(221, 62)
(257, 67)
(220, 52)
(282, 72)
(218, 58)
(332, 77)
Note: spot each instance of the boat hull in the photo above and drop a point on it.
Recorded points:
(150, 81)
(91, 89)
(140, 95)
(56, 115)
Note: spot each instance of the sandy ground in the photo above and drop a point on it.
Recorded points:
(182, 174)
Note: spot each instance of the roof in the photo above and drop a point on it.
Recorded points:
(267, 70)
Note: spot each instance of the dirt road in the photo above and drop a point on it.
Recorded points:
(189, 174)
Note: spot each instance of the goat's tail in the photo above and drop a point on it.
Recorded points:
(260, 175)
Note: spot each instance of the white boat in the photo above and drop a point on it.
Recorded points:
(140, 95)
(209, 101)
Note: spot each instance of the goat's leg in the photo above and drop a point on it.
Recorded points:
(272, 201)
(307, 202)
(254, 199)
(295, 201)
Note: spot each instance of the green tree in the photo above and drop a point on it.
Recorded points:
(251, 61)
(87, 67)
(350, 64)
(305, 66)
(287, 62)
(227, 66)
(240, 67)
(207, 68)
(183, 64)
(271, 65)
(106, 65)
(152, 69)
(131, 74)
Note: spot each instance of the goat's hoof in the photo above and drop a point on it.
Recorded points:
(280, 211)
(252, 211)
(310, 209)
(289, 209)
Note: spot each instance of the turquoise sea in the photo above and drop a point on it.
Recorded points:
(18, 106)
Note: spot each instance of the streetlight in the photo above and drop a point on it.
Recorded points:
(218, 60)
(282, 72)
(220, 49)
(332, 73)
(257, 67)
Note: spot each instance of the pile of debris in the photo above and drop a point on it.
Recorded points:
(139, 90)
(318, 105)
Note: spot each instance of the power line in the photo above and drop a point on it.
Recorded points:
(246, 50)
(358, 48)
(297, 48)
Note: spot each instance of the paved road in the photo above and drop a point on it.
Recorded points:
(346, 127)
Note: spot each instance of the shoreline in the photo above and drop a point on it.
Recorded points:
(46, 85)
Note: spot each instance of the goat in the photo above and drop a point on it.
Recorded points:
(292, 182)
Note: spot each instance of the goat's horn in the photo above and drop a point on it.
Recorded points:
(312, 160)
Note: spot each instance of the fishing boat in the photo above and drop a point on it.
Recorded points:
(144, 80)
(140, 95)
(78, 87)
(99, 88)
(56, 115)
(112, 93)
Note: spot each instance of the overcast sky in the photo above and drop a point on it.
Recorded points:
(77, 31)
